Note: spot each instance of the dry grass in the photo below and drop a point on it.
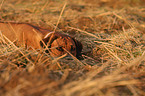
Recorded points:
(113, 36)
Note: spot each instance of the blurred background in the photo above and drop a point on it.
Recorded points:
(112, 34)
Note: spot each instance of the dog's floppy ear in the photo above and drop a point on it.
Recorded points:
(79, 47)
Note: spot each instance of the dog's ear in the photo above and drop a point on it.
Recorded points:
(79, 47)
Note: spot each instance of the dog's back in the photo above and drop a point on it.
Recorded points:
(21, 34)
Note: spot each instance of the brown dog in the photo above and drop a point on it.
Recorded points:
(37, 38)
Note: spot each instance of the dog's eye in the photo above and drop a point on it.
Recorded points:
(59, 48)
(72, 48)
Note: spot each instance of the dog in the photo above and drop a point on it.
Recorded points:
(30, 36)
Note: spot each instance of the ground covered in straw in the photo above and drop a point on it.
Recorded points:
(113, 36)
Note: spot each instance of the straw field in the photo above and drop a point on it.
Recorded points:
(113, 58)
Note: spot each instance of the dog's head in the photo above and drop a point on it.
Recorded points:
(58, 44)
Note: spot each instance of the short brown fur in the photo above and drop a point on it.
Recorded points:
(32, 36)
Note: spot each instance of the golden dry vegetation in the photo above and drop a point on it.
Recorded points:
(113, 36)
